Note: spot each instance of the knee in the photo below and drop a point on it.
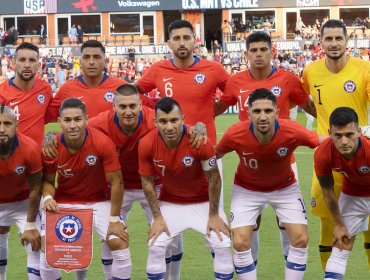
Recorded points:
(4, 229)
(241, 243)
(300, 241)
(156, 259)
(117, 244)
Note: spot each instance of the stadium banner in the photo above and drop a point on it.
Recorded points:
(93, 6)
(287, 45)
(109, 50)
(68, 239)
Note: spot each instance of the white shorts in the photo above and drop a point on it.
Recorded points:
(129, 198)
(101, 214)
(247, 205)
(355, 212)
(16, 213)
(221, 204)
(180, 217)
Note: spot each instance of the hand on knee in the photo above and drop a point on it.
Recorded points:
(117, 244)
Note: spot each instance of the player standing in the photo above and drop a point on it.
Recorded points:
(86, 159)
(29, 98)
(265, 145)
(167, 152)
(285, 85)
(335, 81)
(348, 153)
(191, 81)
(20, 184)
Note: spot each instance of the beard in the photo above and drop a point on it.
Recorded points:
(5, 147)
(23, 78)
(335, 57)
(182, 54)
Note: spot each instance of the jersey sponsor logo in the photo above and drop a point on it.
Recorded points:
(313, 202)
(187, 161)
(349, 86)
(212, 161)
(282, 151)
(167, 79)
(109, 96)
(199, 78)
(68, 228)
(364, 169)
(20, 169)
(276, 90)
(41, 98)
(13, 103)
(91, 160)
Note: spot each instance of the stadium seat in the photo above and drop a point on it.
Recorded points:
(19, 41)
(144, 40)
(28, 40)
(66, 41)
(92, 37)
(35, 40)
(111, 39)
(136, 40)
(119, 40)
(100, 39)
(127, 40)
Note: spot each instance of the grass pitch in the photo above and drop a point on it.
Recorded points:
(197, 262)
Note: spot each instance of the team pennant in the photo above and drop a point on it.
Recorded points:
(68, 239)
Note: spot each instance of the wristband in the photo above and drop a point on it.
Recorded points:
(114, 219)
(29, 226)
(47, 198)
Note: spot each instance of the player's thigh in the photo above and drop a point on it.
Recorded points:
(355, 213)
(14, 213)
(176, 216)
(289, 205)
(128, 200)
(246, 206)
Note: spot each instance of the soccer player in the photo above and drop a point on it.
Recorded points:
(29, 98)
(167, 152)
(95, 88)
(86, 158)
(348, 153)
(191, 81)
(265, 145)
(285, 85)
(335, 81)
(21, 184)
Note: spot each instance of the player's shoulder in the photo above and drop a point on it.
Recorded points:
(27, 143)
(113, 81)
(98, 137)
(239, 76)
(239, 127)
(103, 118)
(284, 74)
(313, 66)
(71, 85)
(148, 114)
(289, 125)
(149, 139)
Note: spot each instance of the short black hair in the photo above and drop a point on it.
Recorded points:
(167, 104)
(343, 116)
(72, 103)
(261, 93)
(27, 46)
(127, 90)
(258, 36)
(177, 24)
(92, 44)
(333, 23)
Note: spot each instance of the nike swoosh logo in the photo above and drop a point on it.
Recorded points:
(315, 86)
(13, 103)
(242, 91)
(246, 154)
(80, 97)
(167, 79)
(155, 160)
(299, 266)
(61, 166)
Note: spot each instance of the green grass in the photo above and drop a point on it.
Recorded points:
(197, 262)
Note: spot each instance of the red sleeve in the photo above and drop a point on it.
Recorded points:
(305, 137)
(146, 167)
(147, 82)
(226, 143)
(298, 95)
(222, 76)
(49, 164)
(108, 154)
(228, 96)
(207, 151)
(34, 159)
(99, 122)
(322, 159)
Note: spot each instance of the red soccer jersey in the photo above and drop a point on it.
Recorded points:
(81, 176)
(284, 85)
(25, 160)
(180, 169)
(97, 100)
(266, 167)
(356, 171)
(194, 88)
(127, 146)
(30, 107)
